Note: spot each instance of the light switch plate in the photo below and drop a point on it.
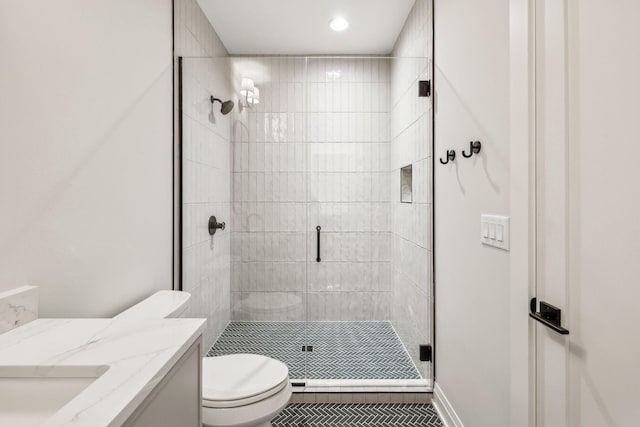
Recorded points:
(498, 231)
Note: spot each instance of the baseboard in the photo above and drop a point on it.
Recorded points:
(445, 410)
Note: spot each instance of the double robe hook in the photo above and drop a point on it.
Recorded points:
(451, 156)
(474, 148)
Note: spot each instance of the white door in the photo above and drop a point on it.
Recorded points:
(588, 211)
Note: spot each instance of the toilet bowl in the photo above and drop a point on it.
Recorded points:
(239, 390)
(243, 390)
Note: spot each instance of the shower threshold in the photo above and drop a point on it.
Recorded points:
(329, 356)
(367, 386)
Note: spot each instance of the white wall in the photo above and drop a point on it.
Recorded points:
(472, 281)
(86, 152)
(206, 169)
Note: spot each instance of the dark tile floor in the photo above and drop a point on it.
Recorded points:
(352, 415)
(341, 350)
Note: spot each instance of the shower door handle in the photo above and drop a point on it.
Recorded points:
(318, 228)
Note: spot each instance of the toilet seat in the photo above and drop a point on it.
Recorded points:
(241, 379)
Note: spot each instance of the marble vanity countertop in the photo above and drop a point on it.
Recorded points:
(129, 359)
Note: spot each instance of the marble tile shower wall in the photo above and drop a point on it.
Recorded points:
(206, 168)
(411, 143)
(313, 152)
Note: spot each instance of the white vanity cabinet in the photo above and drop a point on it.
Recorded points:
(176, 400)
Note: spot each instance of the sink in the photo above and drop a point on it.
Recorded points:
(32, 394)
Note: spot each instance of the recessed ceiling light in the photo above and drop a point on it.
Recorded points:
(339, 24)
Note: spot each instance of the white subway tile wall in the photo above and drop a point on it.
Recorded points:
(348, 164)
(206, 169)
(411, 142)
(315, 151)
(268, 247)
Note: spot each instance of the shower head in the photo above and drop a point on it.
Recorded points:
(226, 107)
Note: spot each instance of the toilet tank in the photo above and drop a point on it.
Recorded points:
(160, 305)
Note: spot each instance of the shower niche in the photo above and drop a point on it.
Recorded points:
(340, 143)
(406, 184)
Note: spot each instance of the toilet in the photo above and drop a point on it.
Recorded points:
(239, 390)
(243, 390)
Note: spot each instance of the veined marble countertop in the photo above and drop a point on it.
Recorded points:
(133, 357)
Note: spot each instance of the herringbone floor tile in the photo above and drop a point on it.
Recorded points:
(356, 415)
(341, 350)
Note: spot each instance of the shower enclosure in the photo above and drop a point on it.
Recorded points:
(324, 181)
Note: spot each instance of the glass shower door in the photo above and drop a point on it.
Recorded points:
(369, 304)
(268, 295)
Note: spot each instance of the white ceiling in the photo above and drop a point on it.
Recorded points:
(301, 27)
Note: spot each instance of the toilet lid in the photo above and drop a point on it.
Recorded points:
(241, 379)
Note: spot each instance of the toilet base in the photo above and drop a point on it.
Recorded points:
(257, 414)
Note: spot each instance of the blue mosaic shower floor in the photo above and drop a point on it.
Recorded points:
(341, 350)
